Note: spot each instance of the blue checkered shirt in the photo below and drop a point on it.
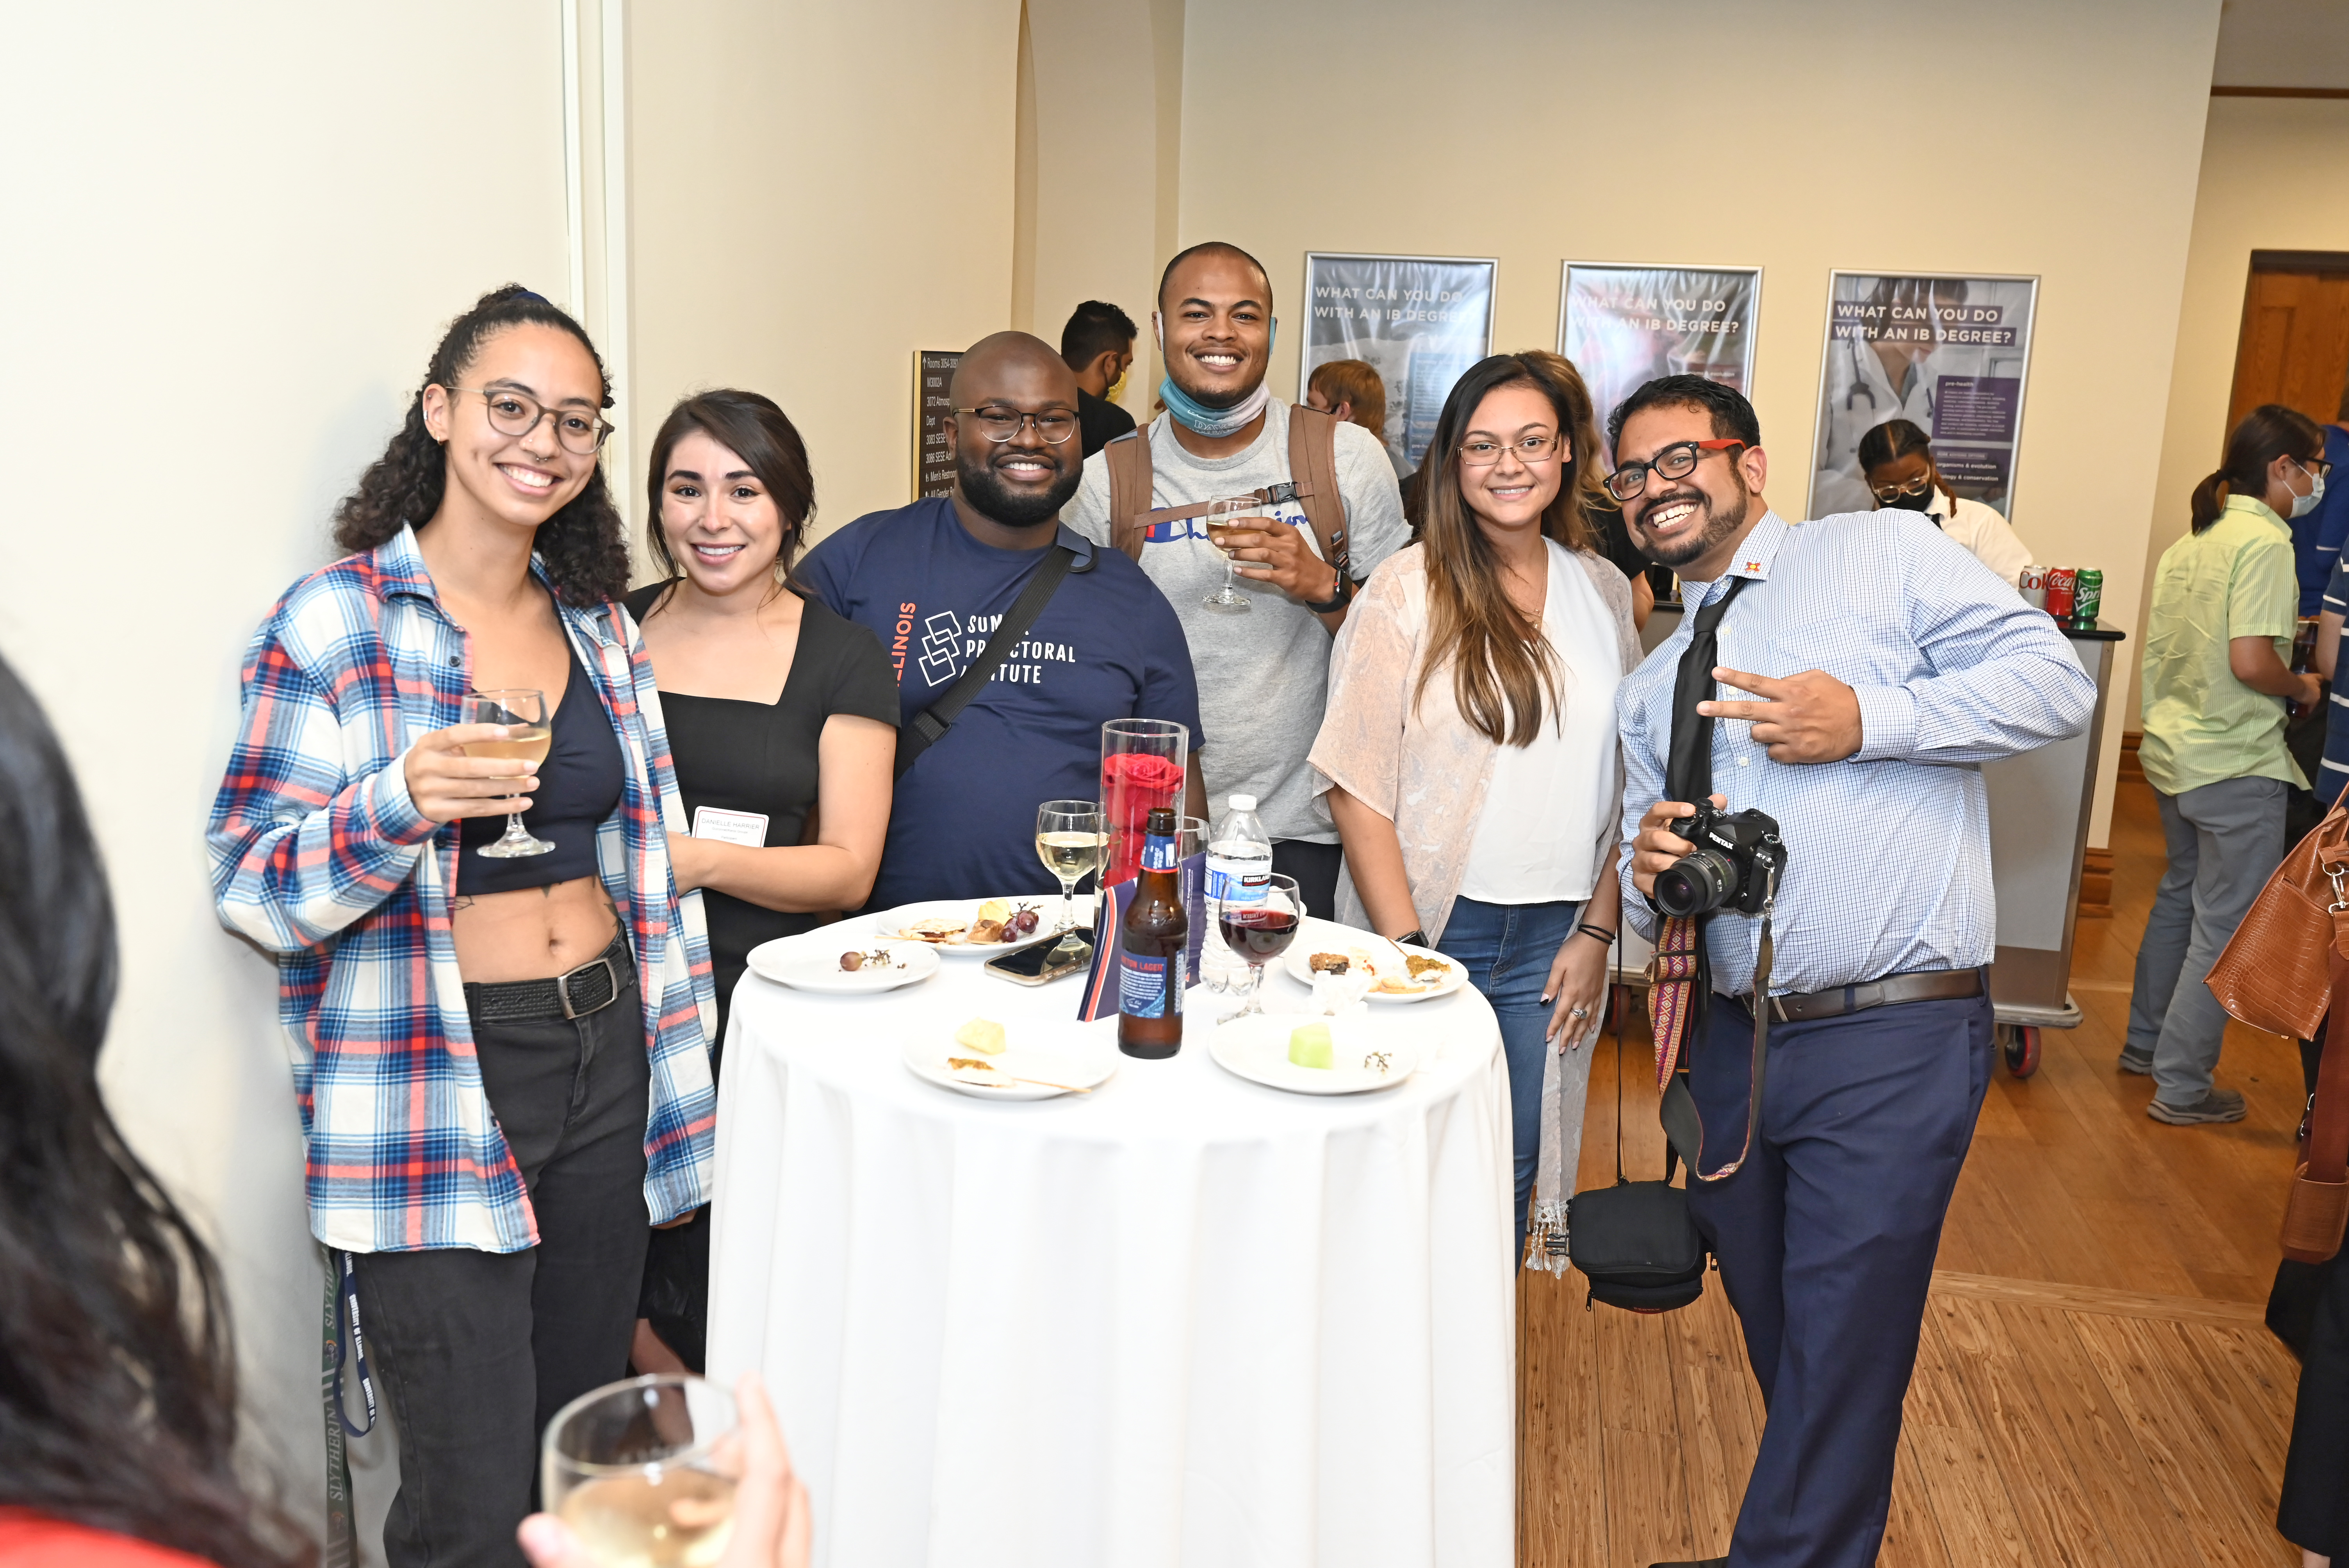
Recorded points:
(1887, 852)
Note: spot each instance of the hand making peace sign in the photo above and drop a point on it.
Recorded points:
(1808, 717)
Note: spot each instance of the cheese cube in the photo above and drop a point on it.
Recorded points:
(1309, 1047)
(981, 1035)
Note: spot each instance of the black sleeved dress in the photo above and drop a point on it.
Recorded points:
(759, 760)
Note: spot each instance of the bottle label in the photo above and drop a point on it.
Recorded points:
(1239, 883)
(1143, 985)
(1158, 853)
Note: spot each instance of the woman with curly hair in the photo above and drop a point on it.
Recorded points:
(501, 1062)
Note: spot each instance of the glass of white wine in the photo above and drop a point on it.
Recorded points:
(528, 735)
(1069, 841)
(643, 1472)
(1225, 511)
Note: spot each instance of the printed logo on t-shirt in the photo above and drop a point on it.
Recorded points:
(1176, 529)
(949, 641)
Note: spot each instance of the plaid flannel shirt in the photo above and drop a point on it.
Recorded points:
(319, 856)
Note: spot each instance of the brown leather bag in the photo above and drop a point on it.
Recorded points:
(2284, 968)
(1312, 475)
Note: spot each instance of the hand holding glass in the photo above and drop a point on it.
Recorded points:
(1260, 933)
(1225, 513)
(528, 737)
(643, 1472)
(1069, 841)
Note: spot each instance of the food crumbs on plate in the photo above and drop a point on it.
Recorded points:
(983, 1034)
(1309, 1047)
(1328, 963)
(970, 1064)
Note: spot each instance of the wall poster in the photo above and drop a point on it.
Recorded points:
(934, 470)
(1948, 352)
(1624, 325)
(1418, 321)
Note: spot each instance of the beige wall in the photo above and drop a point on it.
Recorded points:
(816, 191)
(2058, 145)
(235, 235)
(2273, 171)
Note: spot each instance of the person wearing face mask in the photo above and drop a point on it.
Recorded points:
(1098, 344)
(933, 578)
(1898, 461)
(2216, 639)
(1469, 755)
(783, 724)
(1264, 669)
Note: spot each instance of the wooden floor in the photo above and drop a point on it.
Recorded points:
(2095, 1385)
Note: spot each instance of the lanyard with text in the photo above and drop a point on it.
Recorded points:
(342, 1312)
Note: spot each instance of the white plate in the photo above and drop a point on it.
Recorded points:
(889, 925)
(1322, 936)
(1057, 1050)
(1257, 1048)
(814, 964)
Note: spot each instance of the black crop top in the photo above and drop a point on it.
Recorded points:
(578, 787)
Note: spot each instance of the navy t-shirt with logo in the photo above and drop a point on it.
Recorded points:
(962, 824)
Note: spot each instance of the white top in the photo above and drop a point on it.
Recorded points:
(1538, 840)
(1980, 529)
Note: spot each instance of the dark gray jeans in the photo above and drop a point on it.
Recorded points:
(478, 1349)
(2224, 840)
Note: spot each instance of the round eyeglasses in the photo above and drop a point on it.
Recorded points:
(1890, 493)
(1676, 461)
(1482, 453)
(514, 413)
(999, 423)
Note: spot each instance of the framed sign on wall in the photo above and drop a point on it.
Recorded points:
(934, 470)
(1418, 321)
(1625, 324)
(1947, 351)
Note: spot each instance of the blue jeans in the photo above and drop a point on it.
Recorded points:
(1508, 949)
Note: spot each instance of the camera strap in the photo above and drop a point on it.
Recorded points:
(1683, 1126)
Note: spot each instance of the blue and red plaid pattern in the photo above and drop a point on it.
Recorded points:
(320, 857)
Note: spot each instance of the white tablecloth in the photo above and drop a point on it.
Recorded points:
(1184, 1320)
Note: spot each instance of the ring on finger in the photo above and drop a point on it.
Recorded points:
(1577, 1012)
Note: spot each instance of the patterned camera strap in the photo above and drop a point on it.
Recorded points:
(1683, 973)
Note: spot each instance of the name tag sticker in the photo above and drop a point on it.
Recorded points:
(747, 828)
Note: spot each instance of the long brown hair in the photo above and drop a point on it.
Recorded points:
(1503, 676)
(2268, 432)
(755, 429)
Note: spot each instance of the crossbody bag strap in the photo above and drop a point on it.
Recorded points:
(930, 727)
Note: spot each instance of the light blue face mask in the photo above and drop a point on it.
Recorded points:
(1194, 414)
(2302, 505)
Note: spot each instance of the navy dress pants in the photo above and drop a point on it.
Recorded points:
(1826, 1237)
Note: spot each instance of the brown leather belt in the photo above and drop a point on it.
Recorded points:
(1917, 985)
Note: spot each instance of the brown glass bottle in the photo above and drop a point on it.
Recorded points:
(1150, 977)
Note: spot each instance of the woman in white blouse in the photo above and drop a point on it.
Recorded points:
(1469, 750)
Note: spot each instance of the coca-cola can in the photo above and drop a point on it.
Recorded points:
(2033, 585)
(2062, 583)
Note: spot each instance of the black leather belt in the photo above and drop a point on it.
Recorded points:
(590, 989)
(1917, 985)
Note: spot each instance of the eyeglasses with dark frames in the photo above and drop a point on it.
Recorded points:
(1483, 452)
(514, 413)
(1676, 461)
(1000, 423)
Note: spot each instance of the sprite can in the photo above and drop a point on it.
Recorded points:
(2087, 597)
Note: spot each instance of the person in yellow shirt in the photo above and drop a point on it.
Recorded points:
(2226, 602)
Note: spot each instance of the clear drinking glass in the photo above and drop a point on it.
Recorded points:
(643, 1472)
(1260, 933)
(1225, 511)
(1141, 768)
(1069, 841)
(528, 735)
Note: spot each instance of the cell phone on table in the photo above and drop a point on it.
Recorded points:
(1034, 964)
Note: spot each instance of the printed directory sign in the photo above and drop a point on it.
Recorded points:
(933, 470)
(1418, 321)
(1947, 352)
(1625, 325)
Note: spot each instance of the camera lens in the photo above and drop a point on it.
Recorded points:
(1701, 880)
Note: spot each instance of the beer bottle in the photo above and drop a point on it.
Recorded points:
(1150, 952)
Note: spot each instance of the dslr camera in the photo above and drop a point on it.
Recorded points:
(1738, 855)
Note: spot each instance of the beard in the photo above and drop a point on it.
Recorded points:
(1178, 370)
(999, 502)
(1719, 522)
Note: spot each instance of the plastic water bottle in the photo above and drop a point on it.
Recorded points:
(1239, 871)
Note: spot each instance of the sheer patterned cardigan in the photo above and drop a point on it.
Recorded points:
(1419, 764)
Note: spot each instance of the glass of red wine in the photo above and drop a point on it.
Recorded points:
(1259, 933)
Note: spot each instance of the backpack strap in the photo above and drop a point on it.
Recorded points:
(1129, 489)
(1313, 482)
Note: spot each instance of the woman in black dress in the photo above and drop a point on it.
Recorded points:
(782, 728)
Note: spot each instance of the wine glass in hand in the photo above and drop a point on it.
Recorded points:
(528, 737)
(1225, 513)
(1069, 841)
(1259, 933)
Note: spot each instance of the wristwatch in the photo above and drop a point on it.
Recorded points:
(1414, 937)
(1336, 601)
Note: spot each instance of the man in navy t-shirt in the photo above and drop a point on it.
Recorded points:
(933, 578)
